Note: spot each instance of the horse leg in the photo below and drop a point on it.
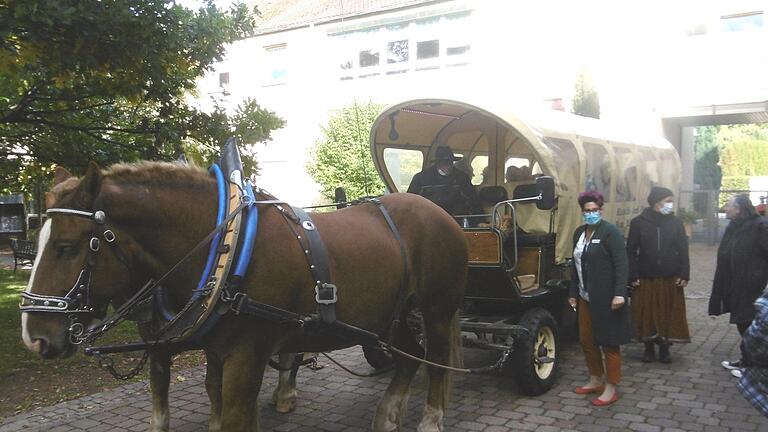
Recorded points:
(284, 396)
(213, 373)
(443, 347)
(159, 380)
(243, 374)
(391, 410)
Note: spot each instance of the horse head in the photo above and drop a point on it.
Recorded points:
(81, 266)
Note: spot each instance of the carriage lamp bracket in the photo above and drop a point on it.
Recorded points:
(326, 294)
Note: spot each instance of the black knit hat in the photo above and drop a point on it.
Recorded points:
(657, 194)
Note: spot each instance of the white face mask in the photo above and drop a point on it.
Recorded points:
(667, 208)
(443, 172)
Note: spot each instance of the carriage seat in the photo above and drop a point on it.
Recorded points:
(489, 196)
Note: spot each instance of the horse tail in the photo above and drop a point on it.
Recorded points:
(455, 353)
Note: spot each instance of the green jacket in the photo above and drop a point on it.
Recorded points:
(604, 269)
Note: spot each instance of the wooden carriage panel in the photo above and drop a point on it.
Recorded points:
(484, 247)
(528, 265)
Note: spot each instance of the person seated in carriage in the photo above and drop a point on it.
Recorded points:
(445, 185)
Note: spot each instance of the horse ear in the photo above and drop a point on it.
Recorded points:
(91, 183)
(60, 175)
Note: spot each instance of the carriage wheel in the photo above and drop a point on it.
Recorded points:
(535, 359)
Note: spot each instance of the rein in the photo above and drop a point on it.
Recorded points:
(78, 300)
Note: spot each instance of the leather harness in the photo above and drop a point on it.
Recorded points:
(220, 285)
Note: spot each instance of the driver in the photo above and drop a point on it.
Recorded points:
(446, 186)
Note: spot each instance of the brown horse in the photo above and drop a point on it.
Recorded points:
(159, 211)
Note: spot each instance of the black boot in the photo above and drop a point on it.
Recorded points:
(649, 355)
(664, 356)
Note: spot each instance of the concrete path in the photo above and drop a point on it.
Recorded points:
(694, 393)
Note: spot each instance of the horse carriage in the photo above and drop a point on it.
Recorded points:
(129, 243)
(519, 248)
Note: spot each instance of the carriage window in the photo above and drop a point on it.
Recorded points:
(598, 177)
(517, 169)
(626, 182)
(402, 165)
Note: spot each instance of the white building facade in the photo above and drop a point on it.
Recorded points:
(314, 56)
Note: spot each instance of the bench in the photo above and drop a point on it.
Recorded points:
(23, 251)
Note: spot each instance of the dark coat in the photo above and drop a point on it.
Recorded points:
(604, 268)
(657, 247)
(742, 269)
(454, 192)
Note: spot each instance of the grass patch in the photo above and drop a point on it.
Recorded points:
(27, 381)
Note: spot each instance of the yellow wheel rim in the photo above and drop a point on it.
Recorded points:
(544, 346)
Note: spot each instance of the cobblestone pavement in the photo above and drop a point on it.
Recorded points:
(694, 393)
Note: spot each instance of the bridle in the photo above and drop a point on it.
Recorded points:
(77, 303)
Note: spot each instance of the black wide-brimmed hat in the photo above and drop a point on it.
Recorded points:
(444, 153)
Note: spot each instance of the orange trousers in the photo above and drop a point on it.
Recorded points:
(592, 352)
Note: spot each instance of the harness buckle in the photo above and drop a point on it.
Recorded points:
(238, 302)
(109, 236)
(326, 294)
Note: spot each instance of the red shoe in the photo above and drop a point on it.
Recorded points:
(588, 390)
(601, 403)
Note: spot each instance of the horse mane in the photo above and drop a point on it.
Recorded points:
(145, 173)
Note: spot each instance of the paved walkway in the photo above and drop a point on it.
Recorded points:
(692, 394)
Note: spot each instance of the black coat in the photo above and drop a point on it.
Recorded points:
(742, 269)
(657, 247)
(454, 192)
(604, 269)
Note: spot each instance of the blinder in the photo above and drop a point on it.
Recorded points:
(77, 301)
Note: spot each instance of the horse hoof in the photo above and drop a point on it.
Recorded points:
(285, 407)
(432, 421)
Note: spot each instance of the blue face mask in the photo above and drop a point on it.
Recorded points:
(592, 218)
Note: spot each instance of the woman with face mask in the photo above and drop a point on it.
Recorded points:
(659, 269)
(599, 281)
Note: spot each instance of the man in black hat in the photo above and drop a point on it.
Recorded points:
(445, 185)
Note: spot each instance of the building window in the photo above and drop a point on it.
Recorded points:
(742, 22)
(369, 58)
(397, 52)
(224, 79)
(402, 47)
(276, 70)
(427, 49)
(451, 51)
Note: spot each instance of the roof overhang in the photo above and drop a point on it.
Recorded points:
(710, 115)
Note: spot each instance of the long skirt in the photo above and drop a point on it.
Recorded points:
(658, 311)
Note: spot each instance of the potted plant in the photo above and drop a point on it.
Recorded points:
(689, 218)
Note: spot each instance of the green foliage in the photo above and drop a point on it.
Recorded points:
(586, 101)
(343, 157)
(732, 183)
(706, 171)
(745, 158)
(688, 216)
(107, 80)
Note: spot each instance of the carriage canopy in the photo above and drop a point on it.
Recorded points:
(505, 147)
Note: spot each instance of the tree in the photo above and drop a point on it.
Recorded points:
(706, 172)
(342, 157)
(107, 81)
(586, 101)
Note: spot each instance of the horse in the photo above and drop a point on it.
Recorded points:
(157, 212)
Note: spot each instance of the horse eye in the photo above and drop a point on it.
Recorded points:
(66, 251)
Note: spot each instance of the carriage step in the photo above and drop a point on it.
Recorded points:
(497, 328)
